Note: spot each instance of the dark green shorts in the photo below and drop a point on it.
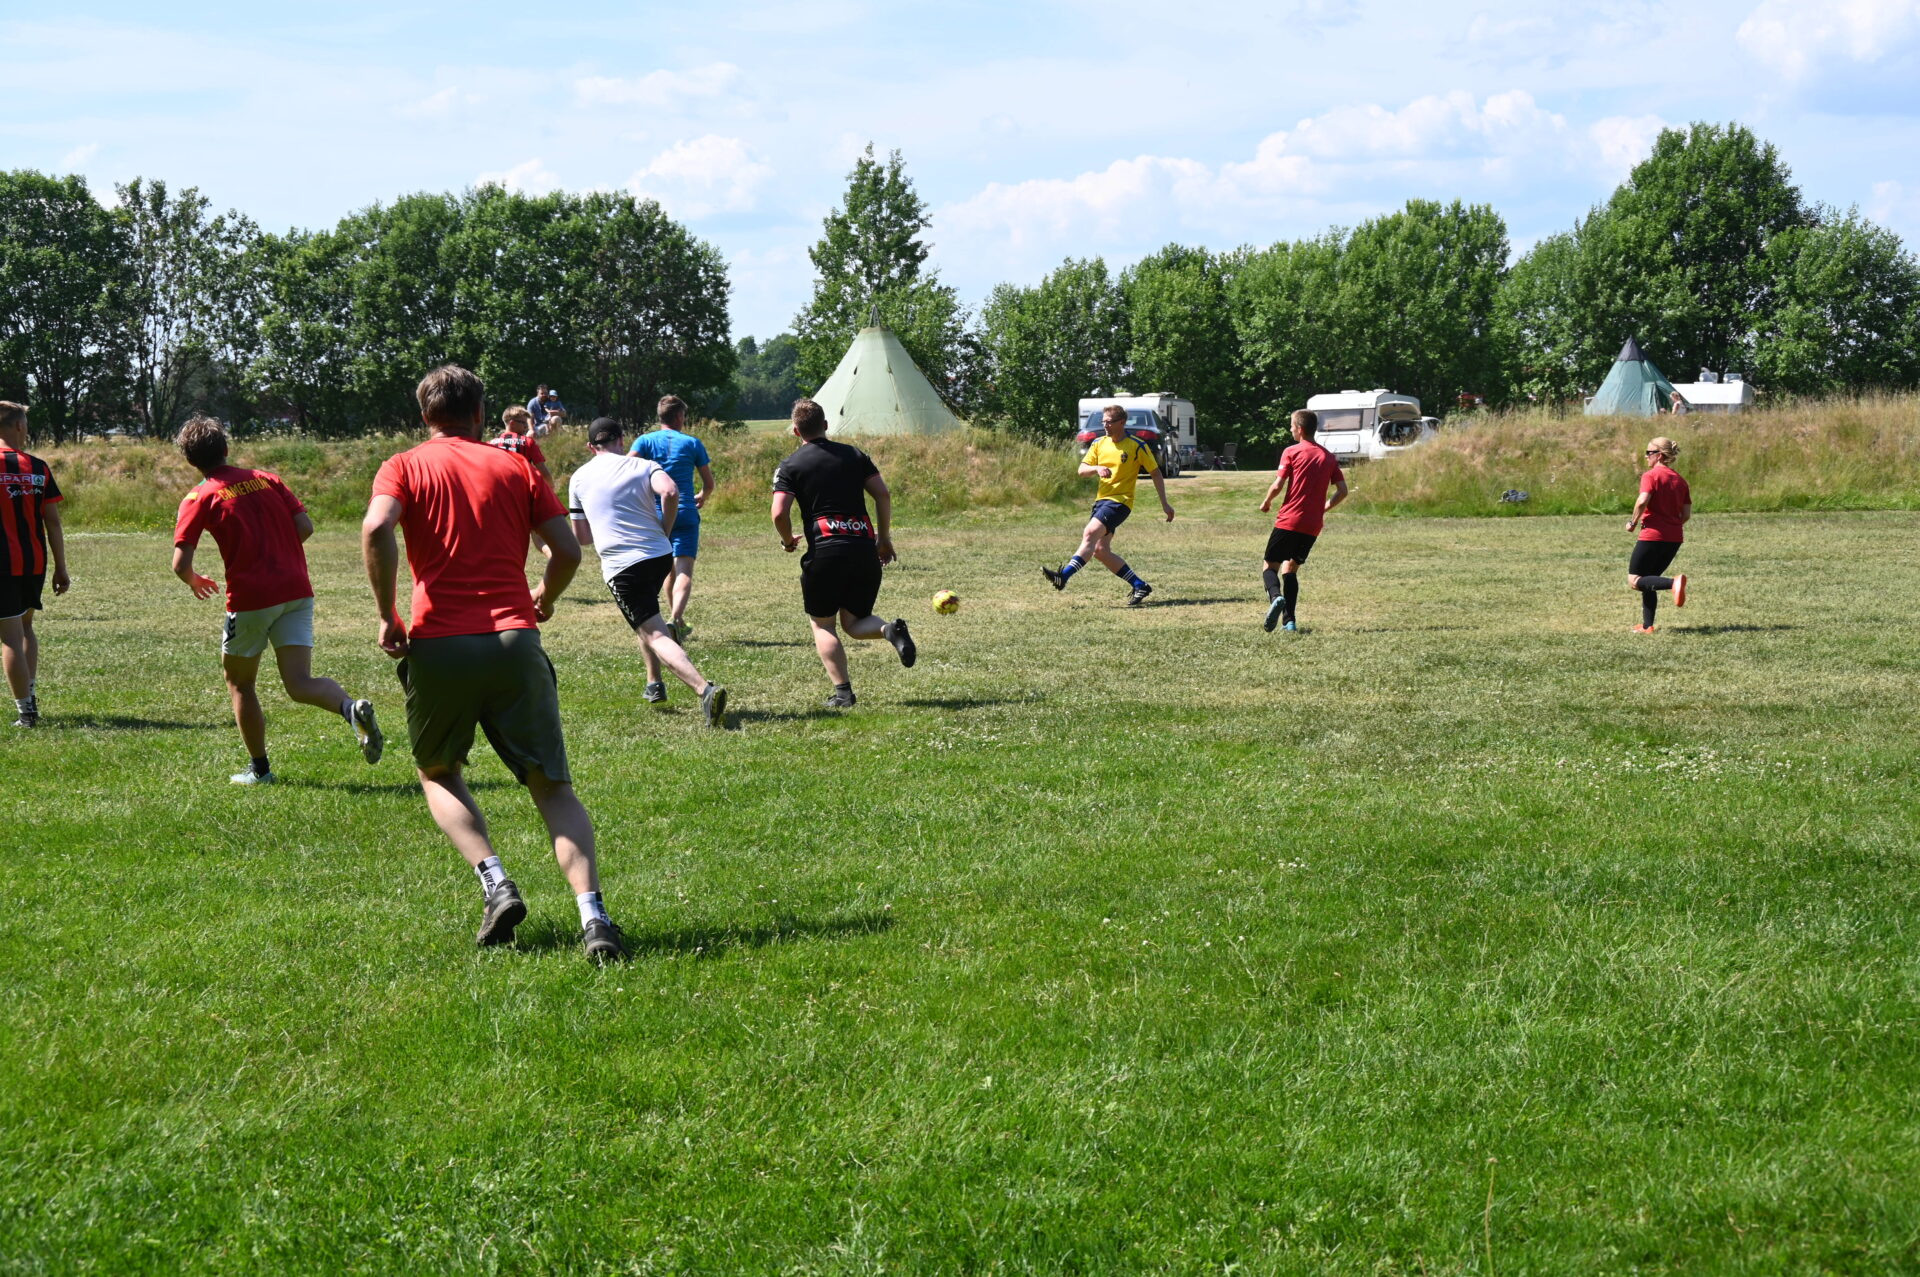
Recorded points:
(502, 683)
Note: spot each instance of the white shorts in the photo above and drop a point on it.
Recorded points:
(285, 625)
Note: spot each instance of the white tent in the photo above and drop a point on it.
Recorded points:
(877, 390)
(1716, 396)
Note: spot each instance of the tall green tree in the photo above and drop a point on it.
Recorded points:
(1181, 336)
(1285, 304)
(67, 286)
(1845, 311)
(871, 258)
(767, 376)
(1049, 345)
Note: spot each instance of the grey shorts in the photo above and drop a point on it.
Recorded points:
(283, 625)
(501, 683)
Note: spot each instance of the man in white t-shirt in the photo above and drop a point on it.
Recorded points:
(611, 500)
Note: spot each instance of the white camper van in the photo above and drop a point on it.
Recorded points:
(1366, 425)
(1162, 421)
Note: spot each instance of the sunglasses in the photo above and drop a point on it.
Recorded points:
(1655, 452)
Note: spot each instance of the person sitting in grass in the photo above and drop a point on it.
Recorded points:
(516, 435)
(627, 507)
(261, 529)
(1306, 471)
(1660, 512)
(30, 534)
(1117, 460)
(471, 656)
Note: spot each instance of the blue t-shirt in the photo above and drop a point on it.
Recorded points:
(679, 454)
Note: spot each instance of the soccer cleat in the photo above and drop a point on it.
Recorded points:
(713, 703)
(654, 693)
(602, 940)
(1054, 578)
(252, 777)
(30, 716)
(1274, 609)
(504, 911)
(1680, 590)
(895, 632)
(1643, 629)
(367, 731)
(842, 700)
(1139, 595)
(681, 631)
(1290, 627)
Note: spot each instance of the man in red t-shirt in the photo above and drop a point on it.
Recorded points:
(1306, 472)
(30, 535)
(471, 656)
(260, 527)
(1661, 511)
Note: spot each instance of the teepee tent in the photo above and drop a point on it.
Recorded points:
(877, 390)
(1634, 388)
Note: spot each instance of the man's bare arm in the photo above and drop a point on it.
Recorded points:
(882, 515)
(783, 520)
(563, 560)
(380, 550)
(57, 546)
(1339, 493)
(669, 493)
(303, 526)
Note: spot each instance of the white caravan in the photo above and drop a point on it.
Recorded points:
(1162, 421)
(1367, 425)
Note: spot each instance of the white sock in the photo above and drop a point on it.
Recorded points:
(492, 874)
(23, 704)
(591, 910)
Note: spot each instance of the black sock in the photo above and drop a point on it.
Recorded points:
(843, 687)
(1656, 583)
(260, 766)
(1272, 580)
(1649, 603)
(1290, 590)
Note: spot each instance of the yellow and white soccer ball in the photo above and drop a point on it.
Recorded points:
(946, 602)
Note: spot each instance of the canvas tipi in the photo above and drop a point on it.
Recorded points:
(1634, 388)
(877, 390)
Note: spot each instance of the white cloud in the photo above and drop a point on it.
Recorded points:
(1624, 140)
(532, 177)
(1794, 36)
(1434, 125)
(79, 157)
(440, 104)
(659, 90)
(706, 175)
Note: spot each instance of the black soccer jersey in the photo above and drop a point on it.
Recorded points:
(829, 480)
(26, 488)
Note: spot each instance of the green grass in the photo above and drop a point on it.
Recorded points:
(1467, 933)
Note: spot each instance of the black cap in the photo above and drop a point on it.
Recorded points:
(604, 431)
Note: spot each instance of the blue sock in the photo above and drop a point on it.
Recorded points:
(1071, 566)
(1126, 574)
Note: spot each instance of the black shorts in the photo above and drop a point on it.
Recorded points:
(636, 588)
(1651, 558)
(1285, 543)
(20, 594)
(844, 577)
(1111, 513)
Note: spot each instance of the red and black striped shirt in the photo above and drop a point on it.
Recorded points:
(26, 489)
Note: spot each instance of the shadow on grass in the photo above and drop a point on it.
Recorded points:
(128, 723)
(1729, 629)
(1249, 600)
(1406, 629)
(967, 702)
(710, 942)
(371, 787)
(771, 643)
(735, 717)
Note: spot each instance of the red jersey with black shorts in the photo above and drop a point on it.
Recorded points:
(1667, 499)
(1309, 471)
(26, 490)
(841, 568)
(251, 516)
(467, 510)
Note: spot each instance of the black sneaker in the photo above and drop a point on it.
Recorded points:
(504, 911)
(713, 703)
(841, 700)
(654, 694)
(1139, 595)
(30, 716)
(1054, 578)
(601, 939)
(896, 634)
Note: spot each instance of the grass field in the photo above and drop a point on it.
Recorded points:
(1466, 933)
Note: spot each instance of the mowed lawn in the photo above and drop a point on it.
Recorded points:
(1467, 932)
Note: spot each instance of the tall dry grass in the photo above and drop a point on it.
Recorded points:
(1840, 454)
(138, 484)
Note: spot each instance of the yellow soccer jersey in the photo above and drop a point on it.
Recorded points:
(1126, 459)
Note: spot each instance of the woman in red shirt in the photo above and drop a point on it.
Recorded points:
(1662, 510)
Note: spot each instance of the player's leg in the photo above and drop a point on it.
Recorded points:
(659, 643)
(18, 651)
(1650, 559)
(1103, 551)
(686, 548)
(1094, 534)
(295, 660)
(1276, 591)
(833, 656)
(1289, 591)
(242, 676)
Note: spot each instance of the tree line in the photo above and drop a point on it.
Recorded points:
(133, 316)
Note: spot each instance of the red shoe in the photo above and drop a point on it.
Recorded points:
(1643, 629)
(1680, 590)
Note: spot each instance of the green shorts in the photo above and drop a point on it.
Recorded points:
(502, 683)
(284, 625)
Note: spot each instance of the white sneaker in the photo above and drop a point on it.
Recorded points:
(251, 777)
(367, 731)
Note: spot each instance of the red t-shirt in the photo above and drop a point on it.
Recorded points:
(26, 490)
(1310, 471)
(250, 513)
(525, 445)
(1667, 498)
(467, 510)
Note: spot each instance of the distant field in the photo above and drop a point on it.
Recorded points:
(1467, 933)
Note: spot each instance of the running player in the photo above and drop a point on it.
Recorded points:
(840, 573)
(1661, 511)
(261, 529)
(1306, 471)
(516, 435)
(1116, 460)
(471, 655)
(30, 533)
(680, 455)
(612, 499)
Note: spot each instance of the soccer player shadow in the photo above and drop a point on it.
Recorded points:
(737, 717)
(1729, 629)
(127, 723)
(967, 702)
(1157, 601)
(372, 787)
(710, 941)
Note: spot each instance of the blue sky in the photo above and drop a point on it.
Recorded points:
(1036, 130)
